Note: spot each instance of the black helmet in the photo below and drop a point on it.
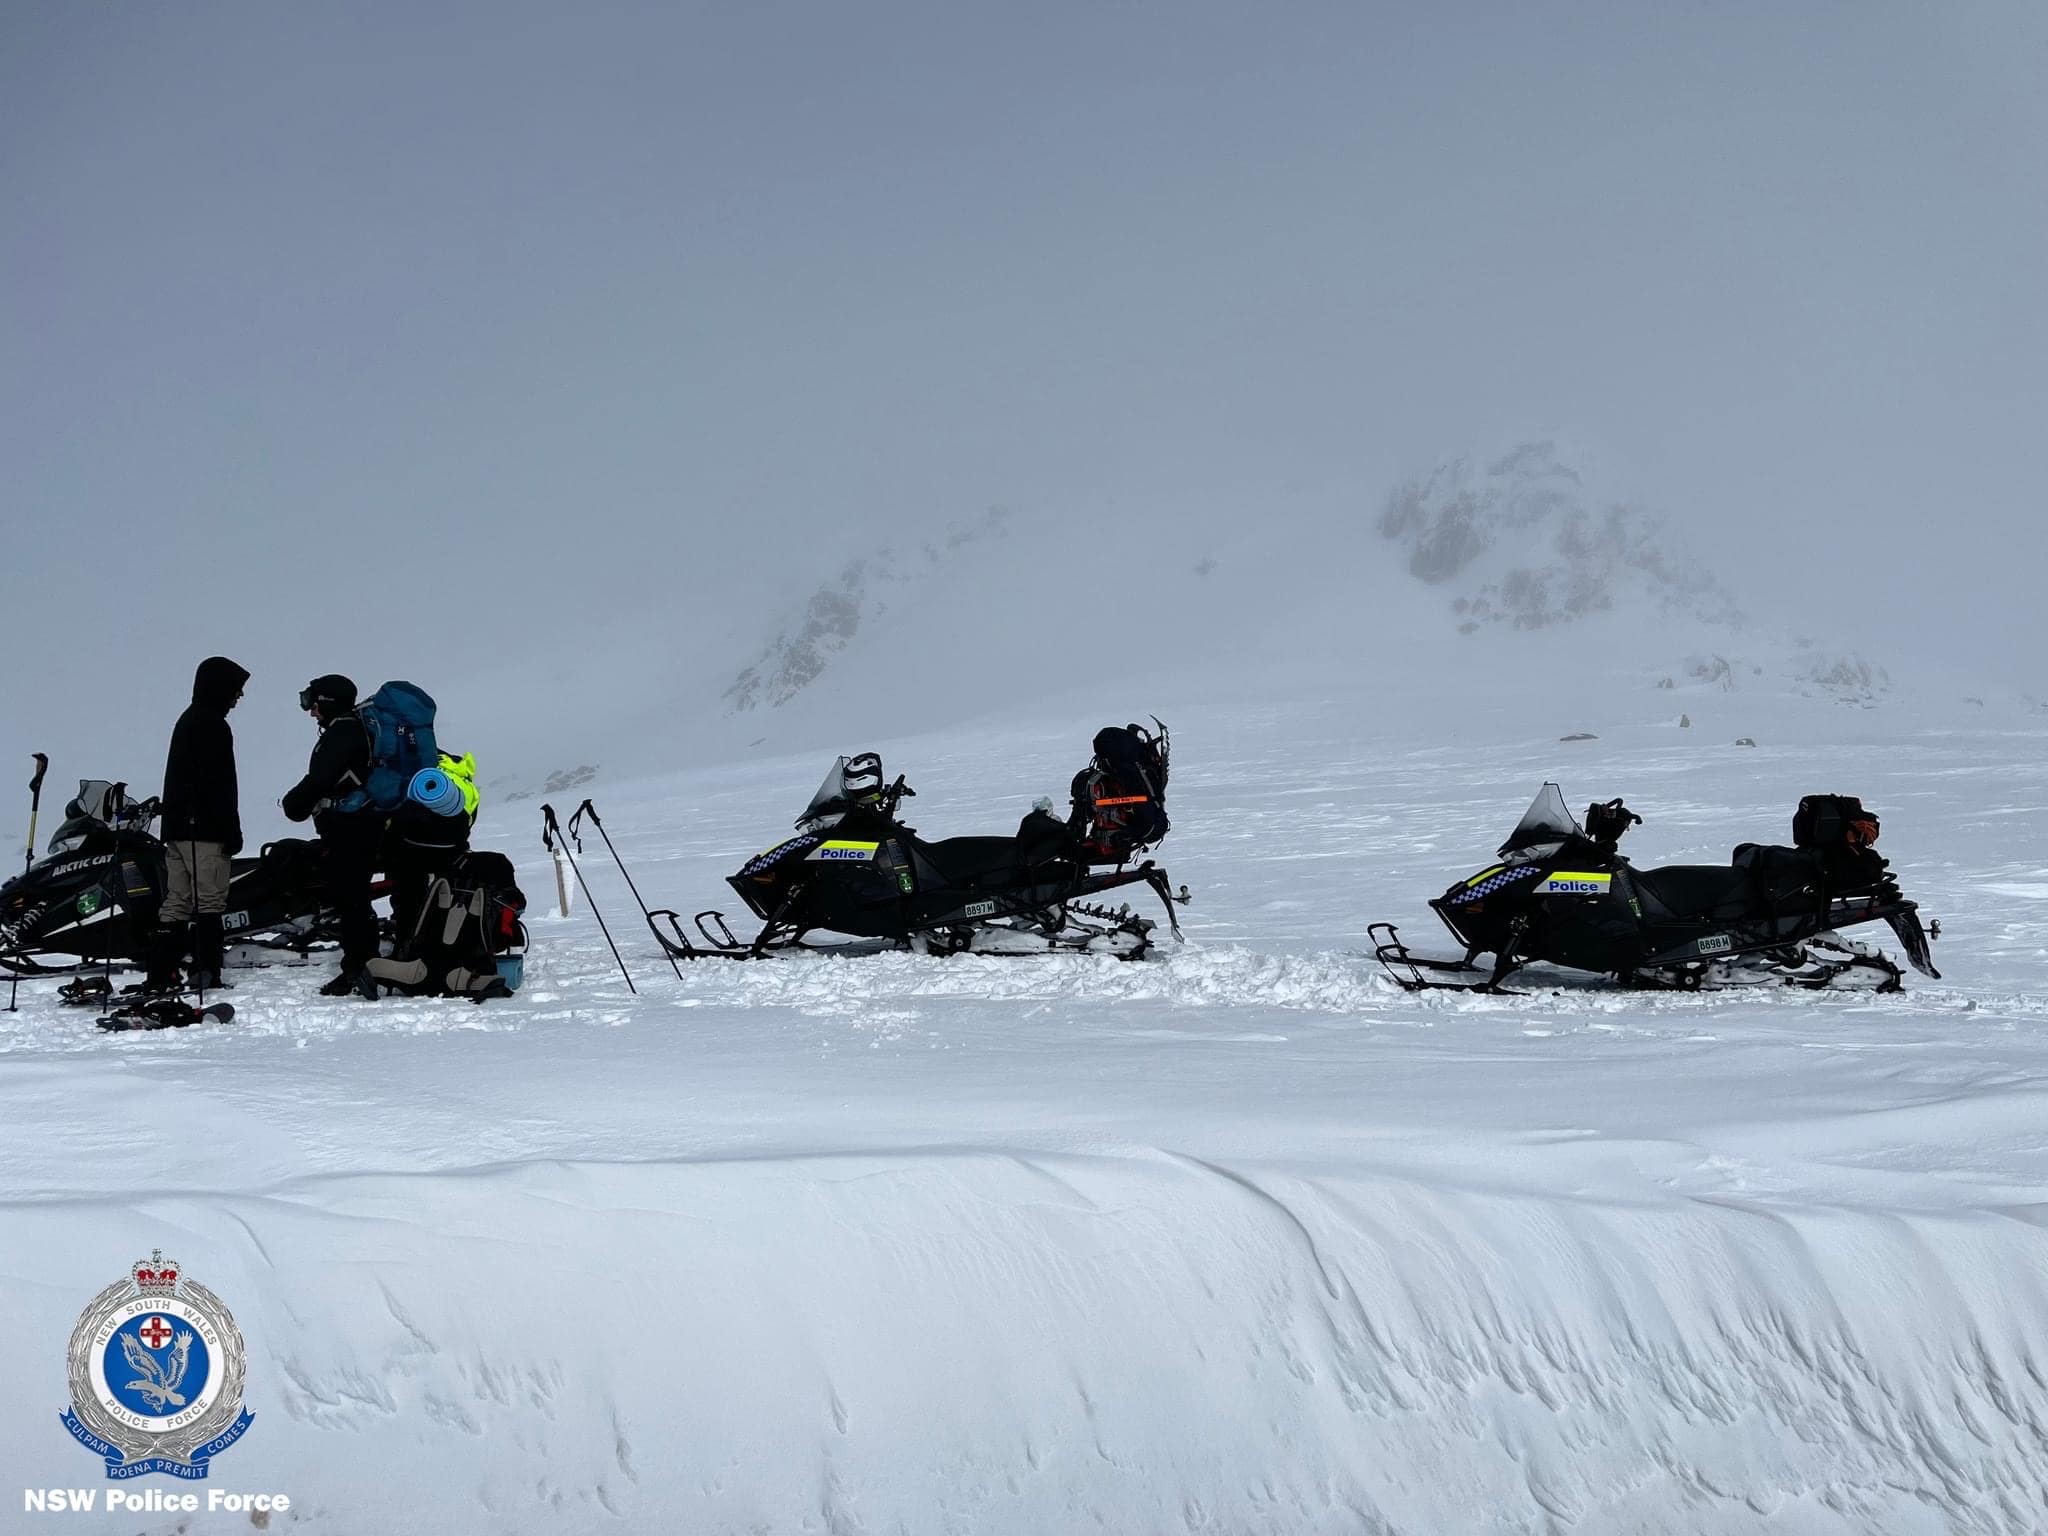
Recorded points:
(334, 691)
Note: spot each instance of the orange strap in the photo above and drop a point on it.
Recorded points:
(1123, 800)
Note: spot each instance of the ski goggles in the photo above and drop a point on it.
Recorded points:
(308, 698)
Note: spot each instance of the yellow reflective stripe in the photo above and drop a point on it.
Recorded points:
(839, 843)
(1486, 874)
(1570, 874)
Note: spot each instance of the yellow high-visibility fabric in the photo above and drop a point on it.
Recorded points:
(462, 772)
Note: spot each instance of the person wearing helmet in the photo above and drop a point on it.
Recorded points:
(349, 838)
(202, 830)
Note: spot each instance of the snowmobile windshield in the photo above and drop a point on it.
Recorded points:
(95, 808)
(849, 782)
(1548, 820)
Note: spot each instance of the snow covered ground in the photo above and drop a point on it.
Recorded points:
(1239, 1240)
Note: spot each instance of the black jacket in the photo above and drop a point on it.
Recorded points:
(201, 800)
(341, 762)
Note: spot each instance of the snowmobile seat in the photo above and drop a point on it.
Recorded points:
(1714, 891)
(1783, 876)
(1043, 839)
(1794, 877)
(974, 861)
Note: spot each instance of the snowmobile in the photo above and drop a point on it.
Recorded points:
(855, 869)
(1564, 895)
(92, 898)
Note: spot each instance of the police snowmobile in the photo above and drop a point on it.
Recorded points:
(91, 899)
(855, 869)
(1563, 895)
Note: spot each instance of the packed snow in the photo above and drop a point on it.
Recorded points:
(1237, 1239)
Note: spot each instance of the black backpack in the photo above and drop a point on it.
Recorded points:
(469, 940)
(1833, 822)
(1120, 797)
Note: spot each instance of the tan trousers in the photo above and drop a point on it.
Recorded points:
(196, 878)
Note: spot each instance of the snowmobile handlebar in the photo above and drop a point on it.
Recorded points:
(1606, 822)
(894, 795)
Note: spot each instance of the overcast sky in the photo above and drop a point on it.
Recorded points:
(346, 336)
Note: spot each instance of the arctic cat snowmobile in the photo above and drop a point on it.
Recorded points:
(92, 898)
(1563, 895)
(854, 869)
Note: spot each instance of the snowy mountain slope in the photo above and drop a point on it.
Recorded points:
(1241, 1240)
(1465, 573)
(1522, 539)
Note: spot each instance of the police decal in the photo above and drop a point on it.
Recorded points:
(156, 1367)
(845, 850)
(1572, 882)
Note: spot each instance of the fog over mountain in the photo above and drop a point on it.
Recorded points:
(609, 374)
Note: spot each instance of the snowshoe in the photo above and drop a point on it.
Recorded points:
(855, 869)
(165, 1013)
(1565, 896)
(86, 992)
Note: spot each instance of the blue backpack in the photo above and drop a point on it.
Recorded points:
(399, 720)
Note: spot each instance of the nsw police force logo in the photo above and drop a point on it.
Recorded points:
(156, 1365)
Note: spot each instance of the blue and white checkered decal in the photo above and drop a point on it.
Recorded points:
(1498, 881)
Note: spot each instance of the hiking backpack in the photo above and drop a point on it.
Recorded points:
(399, 721)
(1837, 832)
(1120, 797)
(1833, 822)
(469, 940)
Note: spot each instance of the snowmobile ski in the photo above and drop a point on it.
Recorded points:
(1420, 973)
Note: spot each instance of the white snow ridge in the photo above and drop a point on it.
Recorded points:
(1242, 1239)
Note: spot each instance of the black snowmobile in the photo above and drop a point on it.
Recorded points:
(1563, 895)
(92, 898)
(854, 869)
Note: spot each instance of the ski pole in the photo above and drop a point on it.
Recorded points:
(550, 831)
(587, 809)
(35, 807)
(28, 860)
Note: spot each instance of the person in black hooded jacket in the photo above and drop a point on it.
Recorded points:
(202, 828)
(351, 830)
